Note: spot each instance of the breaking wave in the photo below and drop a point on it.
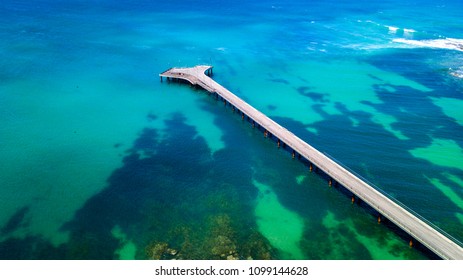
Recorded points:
(448, 43)
(458, 73)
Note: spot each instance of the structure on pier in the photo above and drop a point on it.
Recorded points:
(430, 236)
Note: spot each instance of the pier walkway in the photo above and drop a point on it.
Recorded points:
(430, 236)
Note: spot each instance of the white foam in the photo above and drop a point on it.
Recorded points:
(457, 73)
(448, 43)
(408, 33)
(406, 30)
(369, 47)
(392, 29)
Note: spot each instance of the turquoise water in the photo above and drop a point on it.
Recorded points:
(102, 161)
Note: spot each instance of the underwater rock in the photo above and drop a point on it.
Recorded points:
(156, 250)
(160, 251)
(171, 251)
(258, 248)
(223, 246)
(232, 257)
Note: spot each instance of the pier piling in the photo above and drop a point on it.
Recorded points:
(418, 228)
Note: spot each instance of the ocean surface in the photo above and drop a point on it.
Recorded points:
(100, 160)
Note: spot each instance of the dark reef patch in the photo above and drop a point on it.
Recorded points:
(16, 221)
(169, 198)
(315, 96)
(278, 80)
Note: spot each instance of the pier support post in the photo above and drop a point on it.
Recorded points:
(242, 116)
(419, 235)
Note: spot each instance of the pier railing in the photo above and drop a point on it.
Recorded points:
(396, 201)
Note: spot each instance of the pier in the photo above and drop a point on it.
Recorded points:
(420, 230)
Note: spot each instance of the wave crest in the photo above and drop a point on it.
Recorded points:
(448, 43)
(457, 73)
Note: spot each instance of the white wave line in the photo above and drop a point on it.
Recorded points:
(448, 43)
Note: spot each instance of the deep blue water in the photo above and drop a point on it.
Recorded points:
(102, 161)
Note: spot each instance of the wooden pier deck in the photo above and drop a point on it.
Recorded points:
(430, 236)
